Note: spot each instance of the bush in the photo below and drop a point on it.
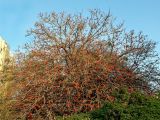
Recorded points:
(138, 106)
(81, 116)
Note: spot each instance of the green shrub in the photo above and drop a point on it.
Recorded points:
(137, 98)
(81, 116)
(137, 106)
(107, 112)
(121, 95)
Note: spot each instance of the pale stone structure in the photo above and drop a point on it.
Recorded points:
(4, 60)
(4, 52)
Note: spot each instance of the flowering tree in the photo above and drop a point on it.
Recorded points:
(76, 61)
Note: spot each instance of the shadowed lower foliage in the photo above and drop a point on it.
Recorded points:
(137, 106)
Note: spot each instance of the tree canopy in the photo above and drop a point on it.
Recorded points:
(75, 62)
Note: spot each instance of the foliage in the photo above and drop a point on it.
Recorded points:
(138, 106)
(6, 86)
(6, 112)
(80, 116)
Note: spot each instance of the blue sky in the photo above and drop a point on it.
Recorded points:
(17, 16)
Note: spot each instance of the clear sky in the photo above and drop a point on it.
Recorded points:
(17, 16)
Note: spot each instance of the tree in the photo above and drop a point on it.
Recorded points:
(75, 62)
